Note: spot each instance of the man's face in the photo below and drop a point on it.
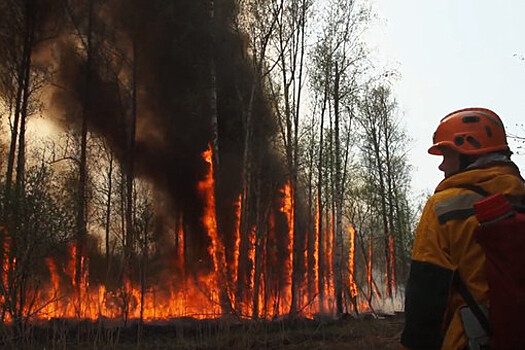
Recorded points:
(450, 163)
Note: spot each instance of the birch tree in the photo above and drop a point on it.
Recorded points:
(387, 168)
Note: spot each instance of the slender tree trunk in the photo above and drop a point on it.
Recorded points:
(320, 227)
(375, 133)
(143, 269)
(107, 224)
(299, 237)
(258, 251)
(245, 200)
(225, 302)
(22, 243)
(130, 171)
(21, 103)
(82, 182)
(387, 130)
(338, 242)
(213, 89)
(14, 136)
(243, 248)
(311, 236)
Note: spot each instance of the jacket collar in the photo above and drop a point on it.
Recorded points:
(484, 170)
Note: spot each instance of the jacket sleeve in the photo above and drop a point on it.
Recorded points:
(426, 300)
(428, 286)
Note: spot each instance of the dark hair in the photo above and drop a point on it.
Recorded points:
(466, 159)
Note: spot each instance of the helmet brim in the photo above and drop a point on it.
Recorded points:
(437, 148)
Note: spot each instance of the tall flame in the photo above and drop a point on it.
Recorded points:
(237, 241)
(251, 257)
(288, 209)
(316, 247)
(207, 189)
(351, 262)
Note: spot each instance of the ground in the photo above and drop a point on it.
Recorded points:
(364, 332)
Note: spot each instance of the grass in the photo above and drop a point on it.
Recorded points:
(366, 332)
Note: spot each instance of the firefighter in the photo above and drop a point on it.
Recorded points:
(474, 147)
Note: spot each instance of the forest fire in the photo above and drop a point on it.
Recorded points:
(183, 176)
(185, 295)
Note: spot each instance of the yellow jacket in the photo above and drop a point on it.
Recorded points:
(444, 243)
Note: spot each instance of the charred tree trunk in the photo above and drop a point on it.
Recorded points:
(224, 299)
(82, 179)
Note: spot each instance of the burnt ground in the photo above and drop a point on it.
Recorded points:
(364, 332)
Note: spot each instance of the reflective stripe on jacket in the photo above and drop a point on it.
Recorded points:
(444, 243)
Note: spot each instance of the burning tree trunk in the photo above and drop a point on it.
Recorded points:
(216, 250)
(259, 20)
(351, 267)
(299, 237)
(262, 208)
(290, 45)
(258, 253)
(83, 175)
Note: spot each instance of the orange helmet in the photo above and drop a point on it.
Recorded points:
(470, 131)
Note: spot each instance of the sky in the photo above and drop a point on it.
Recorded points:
(451, 54)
